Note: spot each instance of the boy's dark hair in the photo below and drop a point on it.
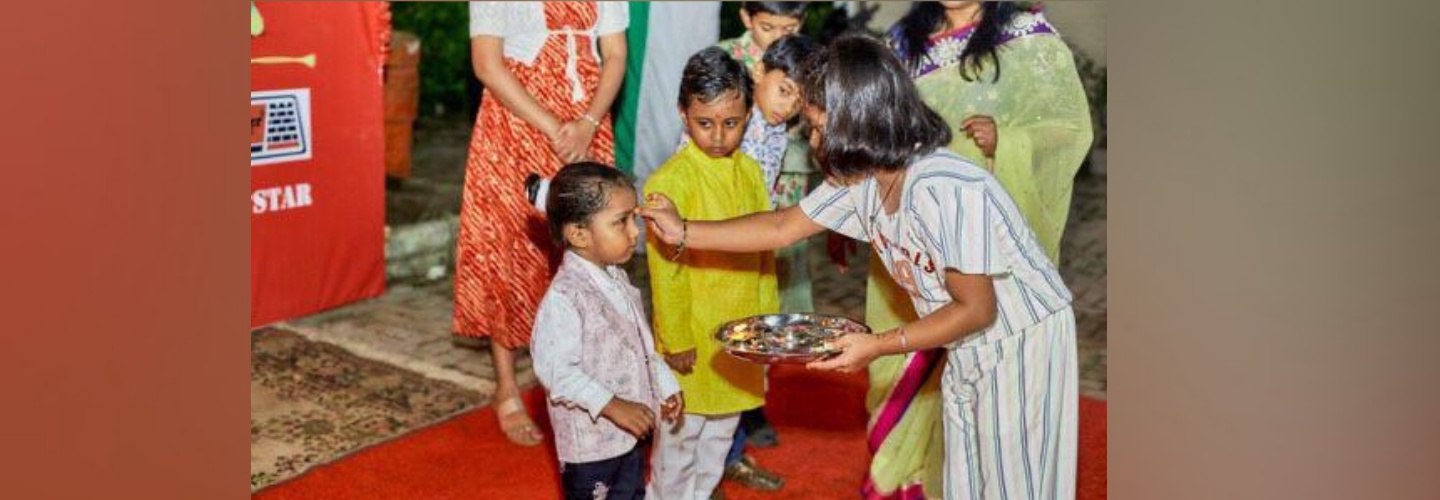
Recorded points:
(787, 9)
(787, 53)
(710, 74)
(578, 192)
(874, 117)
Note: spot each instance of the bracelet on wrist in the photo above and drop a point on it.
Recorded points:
(684, 235)
(592, 120)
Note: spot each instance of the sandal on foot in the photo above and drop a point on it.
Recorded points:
(750, 475)
(519, 430)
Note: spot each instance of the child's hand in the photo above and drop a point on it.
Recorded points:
(630, 416)
(981, 129)
(663, 218)
(572, 141)
(673, 409)
(840, 248)
(858, 350)
(682, 362)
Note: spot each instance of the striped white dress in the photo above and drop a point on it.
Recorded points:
(1010, 390)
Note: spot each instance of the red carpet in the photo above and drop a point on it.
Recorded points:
(820, 418)
(1092, 473)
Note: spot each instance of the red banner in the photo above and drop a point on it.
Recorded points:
(317, 156)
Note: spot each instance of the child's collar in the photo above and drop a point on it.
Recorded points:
(597, 270)
(699, 155)
(747, 42)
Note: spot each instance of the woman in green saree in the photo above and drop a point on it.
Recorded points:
(1004, 80)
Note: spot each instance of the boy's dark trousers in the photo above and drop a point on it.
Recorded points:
(620, 478)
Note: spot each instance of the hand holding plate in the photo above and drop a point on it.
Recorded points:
(856, 352)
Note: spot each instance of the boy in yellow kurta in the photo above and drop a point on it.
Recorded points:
(695, 291)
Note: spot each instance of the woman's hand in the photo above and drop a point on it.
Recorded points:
(664, 219)
(681, 362)
(630, 416)
(857, 351)
(981, 129)
(571, 141)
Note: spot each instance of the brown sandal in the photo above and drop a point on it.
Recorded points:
(750, 475)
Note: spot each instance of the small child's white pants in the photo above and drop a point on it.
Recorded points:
(687, 464)
(1011, 415)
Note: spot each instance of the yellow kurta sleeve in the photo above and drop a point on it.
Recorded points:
(669, 280)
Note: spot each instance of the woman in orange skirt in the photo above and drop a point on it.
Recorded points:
(551, 71)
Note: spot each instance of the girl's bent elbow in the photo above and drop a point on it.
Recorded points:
(988, 314)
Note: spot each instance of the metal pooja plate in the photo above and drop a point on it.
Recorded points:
(785, 338)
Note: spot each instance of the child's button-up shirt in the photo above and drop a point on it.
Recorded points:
(766, 143)
(743, 48)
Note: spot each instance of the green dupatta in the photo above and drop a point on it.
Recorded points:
(1041, 114)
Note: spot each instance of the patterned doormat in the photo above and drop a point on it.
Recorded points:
(312, 402)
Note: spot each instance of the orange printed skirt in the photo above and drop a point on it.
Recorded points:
(504, 255)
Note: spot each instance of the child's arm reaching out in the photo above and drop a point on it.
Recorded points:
(757, 232)
(971, 309)
(964, 254)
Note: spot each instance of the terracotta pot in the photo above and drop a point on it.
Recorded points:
(402, 100)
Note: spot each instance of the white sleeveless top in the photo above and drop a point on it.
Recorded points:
(522, 26)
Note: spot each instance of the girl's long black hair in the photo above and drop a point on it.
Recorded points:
(874, 116)
(912, 33)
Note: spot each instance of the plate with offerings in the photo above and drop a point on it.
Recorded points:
(786, 338)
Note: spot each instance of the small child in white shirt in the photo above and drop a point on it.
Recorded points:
(592, 347)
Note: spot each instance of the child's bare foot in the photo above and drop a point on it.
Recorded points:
(515, 422)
